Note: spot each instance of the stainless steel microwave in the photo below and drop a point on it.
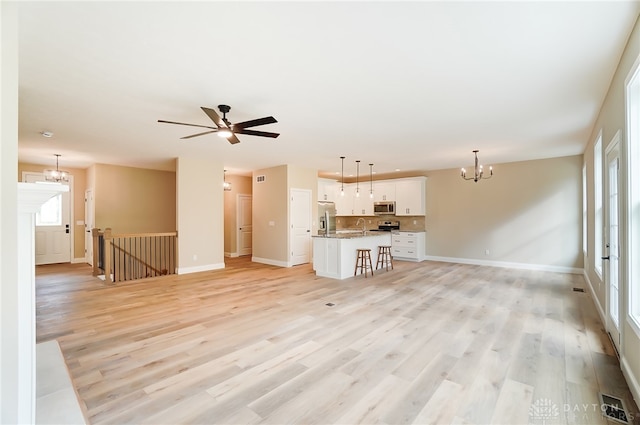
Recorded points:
(384, 208)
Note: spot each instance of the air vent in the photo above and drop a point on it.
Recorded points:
(329, 304)
(613, 408)
(261, 179)
(578, 289)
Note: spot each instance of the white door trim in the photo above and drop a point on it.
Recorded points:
(292, 233)
(71, 208)
(612, 153)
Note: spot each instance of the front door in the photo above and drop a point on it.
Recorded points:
(612, 238)
(53, 226)
(245, 226)
(300, 226)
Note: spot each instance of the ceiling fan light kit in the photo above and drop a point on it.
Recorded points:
(478, 171)
(225, 129)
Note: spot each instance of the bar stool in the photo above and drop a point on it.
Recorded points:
(363, 261)
(384, 257)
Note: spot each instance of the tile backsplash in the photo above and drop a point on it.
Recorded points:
(408, 223)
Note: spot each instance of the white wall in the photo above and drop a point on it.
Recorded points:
(9, 216)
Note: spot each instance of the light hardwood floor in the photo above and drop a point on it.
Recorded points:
(426, 342)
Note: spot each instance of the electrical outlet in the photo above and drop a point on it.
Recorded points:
(415, 221)
(486, 252)
(195, 257)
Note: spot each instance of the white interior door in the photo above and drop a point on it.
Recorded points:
(245, 226)
(300, 213)
(612, 237)
(89, 220)
(53, 230)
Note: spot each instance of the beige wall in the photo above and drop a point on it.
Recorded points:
(529, 212)
(79, 186)
(134, 200)
(611, 119)
(240, 185)
(200, 215)
(270, 206)
(271, 210)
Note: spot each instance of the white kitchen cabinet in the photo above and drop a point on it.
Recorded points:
(344, 203)
(335, 257)
(408, 245)
(350, 204)
(411, 196)
(384, 190)
(327, 190)
(362, 205)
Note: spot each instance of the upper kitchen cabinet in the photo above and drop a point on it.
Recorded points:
(344, 203)
(411, 196)
(327, 190)
(384, 190)
(350, 204)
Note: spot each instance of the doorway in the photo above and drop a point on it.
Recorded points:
(612, 239)
(53, 229)
(244, 235)
(300, 237)
(89, 218)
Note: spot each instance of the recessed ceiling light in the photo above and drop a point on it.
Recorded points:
(47, 134)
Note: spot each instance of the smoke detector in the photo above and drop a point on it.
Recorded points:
(47, 133)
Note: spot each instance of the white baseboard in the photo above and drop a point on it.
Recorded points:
(79, 260)
(231, 254)
(196, 269)
(270, 262)
(594, 297)
(526, 266)
(632, 381)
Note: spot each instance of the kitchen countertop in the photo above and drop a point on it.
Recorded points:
(349, 235)
(335, 256)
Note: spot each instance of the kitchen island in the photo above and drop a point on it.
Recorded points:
(334, 255)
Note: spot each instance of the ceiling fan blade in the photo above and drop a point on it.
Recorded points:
(183, 123)
(257, 133)
(199, 134)
(233, 139)
(254, 123)
(214, 116)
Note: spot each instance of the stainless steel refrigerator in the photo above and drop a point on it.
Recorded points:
(326, 217)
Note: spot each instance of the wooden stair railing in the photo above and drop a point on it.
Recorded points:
(129, 256)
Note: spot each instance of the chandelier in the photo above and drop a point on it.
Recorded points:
(478, 171)
(56, 175)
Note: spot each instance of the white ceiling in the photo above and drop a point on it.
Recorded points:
(403, 85)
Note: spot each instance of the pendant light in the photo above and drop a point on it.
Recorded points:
(225, 184)
(371, 181)
(342, 185)
(56, 175)
(357, 176)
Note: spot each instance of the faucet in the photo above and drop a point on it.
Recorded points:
(364, 226)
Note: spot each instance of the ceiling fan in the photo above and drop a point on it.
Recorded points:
(226, 129)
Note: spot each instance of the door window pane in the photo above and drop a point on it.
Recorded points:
(50, 213)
